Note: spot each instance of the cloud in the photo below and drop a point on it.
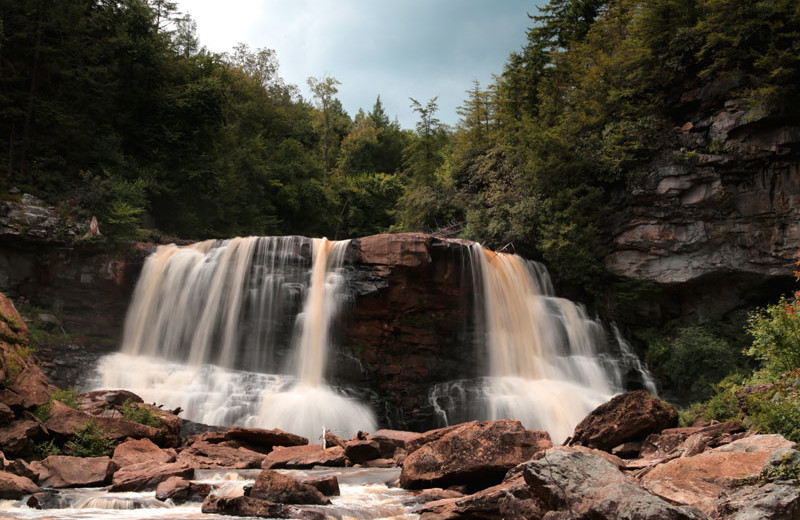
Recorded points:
(398, 49)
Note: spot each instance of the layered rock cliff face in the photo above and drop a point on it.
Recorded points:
(717, 220)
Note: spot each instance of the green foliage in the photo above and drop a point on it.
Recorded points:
(724, 405)
(135, 412)
(693, 361)
(68, 397)
(15, 361)
(46, 448)
(88, 440)
(776, 336)
(786, 469)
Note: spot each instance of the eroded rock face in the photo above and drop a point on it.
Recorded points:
(302, 457)
(723, 204)
(627, 417)
(135, 451)
(148, 475)
(476, 455)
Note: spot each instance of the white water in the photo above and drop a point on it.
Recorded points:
(366, 494)
(545, 363)
(203, 326)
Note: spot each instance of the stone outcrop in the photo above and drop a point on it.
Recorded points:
(627, 417)
(205, 455)
(65, 420)
(148, 475)
(722, 203)
(136, 451)
(15, 487)
(477, 455)
(303, 457)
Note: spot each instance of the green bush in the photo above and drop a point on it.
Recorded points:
(45, 449)
(135, 412)
(68, 397)
(776, 337)
(724, 405)
(89, 441)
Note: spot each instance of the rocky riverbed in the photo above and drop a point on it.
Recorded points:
(627, 459)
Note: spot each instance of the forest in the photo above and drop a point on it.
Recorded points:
(114, 108)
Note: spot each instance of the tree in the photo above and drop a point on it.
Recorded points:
(324, 91)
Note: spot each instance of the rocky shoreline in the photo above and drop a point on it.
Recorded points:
(627, 459)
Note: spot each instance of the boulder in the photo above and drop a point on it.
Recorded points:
(628, 417)
(19, 467)
(99, 402)
(14, 487)
(776, 501)
(135, 451)
(392, 440)
(28, 390)
(361, 451)
(249, 506)
(431, 495)
(332, 440)
(147, 475)
(578, 484)
(65, 420)
(699, 481)
(204, 455)
(476, 455)
(328, 486)
(417, 441)
(16, 438)
(179, 490)
(303, 457)
(63, 471)
(396, 249)
(6, 414)
(674, 441)
(12, 328)
(265, 438)
(283, 489)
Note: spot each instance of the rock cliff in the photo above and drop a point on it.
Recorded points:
(716, 220)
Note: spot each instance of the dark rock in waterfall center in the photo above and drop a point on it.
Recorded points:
(283, 489)
(249, 506)
(628, 417)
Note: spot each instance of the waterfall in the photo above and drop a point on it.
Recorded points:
(548, 360)
(209, 324)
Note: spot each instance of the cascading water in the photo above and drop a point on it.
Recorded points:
(544, 362)
(204, 323)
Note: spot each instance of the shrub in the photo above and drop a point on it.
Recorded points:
(45, 449)
(135, 412)
(68, 397)
(15, 361)
(89, 441)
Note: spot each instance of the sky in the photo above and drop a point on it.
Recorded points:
(397, 49)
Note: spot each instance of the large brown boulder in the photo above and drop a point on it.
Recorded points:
(476, 455)
(303, 457)
(392, 440)
(14, 487)
(265, 438)
(136, 451)
(205, 455)
(585, 485)
(179, 490)
(148, 475)
(775, 501)
(415, 442)
(63, 471)
(283, 489)
(16, 438)
(65, 420)
(631, 416)
(360, 451)
(699, 481)
(249, 506)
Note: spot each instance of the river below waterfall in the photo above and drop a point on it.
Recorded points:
(366, 494)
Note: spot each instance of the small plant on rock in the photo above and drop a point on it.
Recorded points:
(135, 412)
(89, 441)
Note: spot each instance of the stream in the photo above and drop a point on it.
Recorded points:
(366, 494)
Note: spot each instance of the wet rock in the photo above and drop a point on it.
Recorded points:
(578, 484)
(303, 457)
(283, 489)
(63, 471)
(476, 455)
(147, 475)
(361, 451)
(205, 455)
(136, 451)
(181, 490)
(15, 487)
(628, 417)
(249, 506)
(328, 486)
(65, 420)
(699, 481)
